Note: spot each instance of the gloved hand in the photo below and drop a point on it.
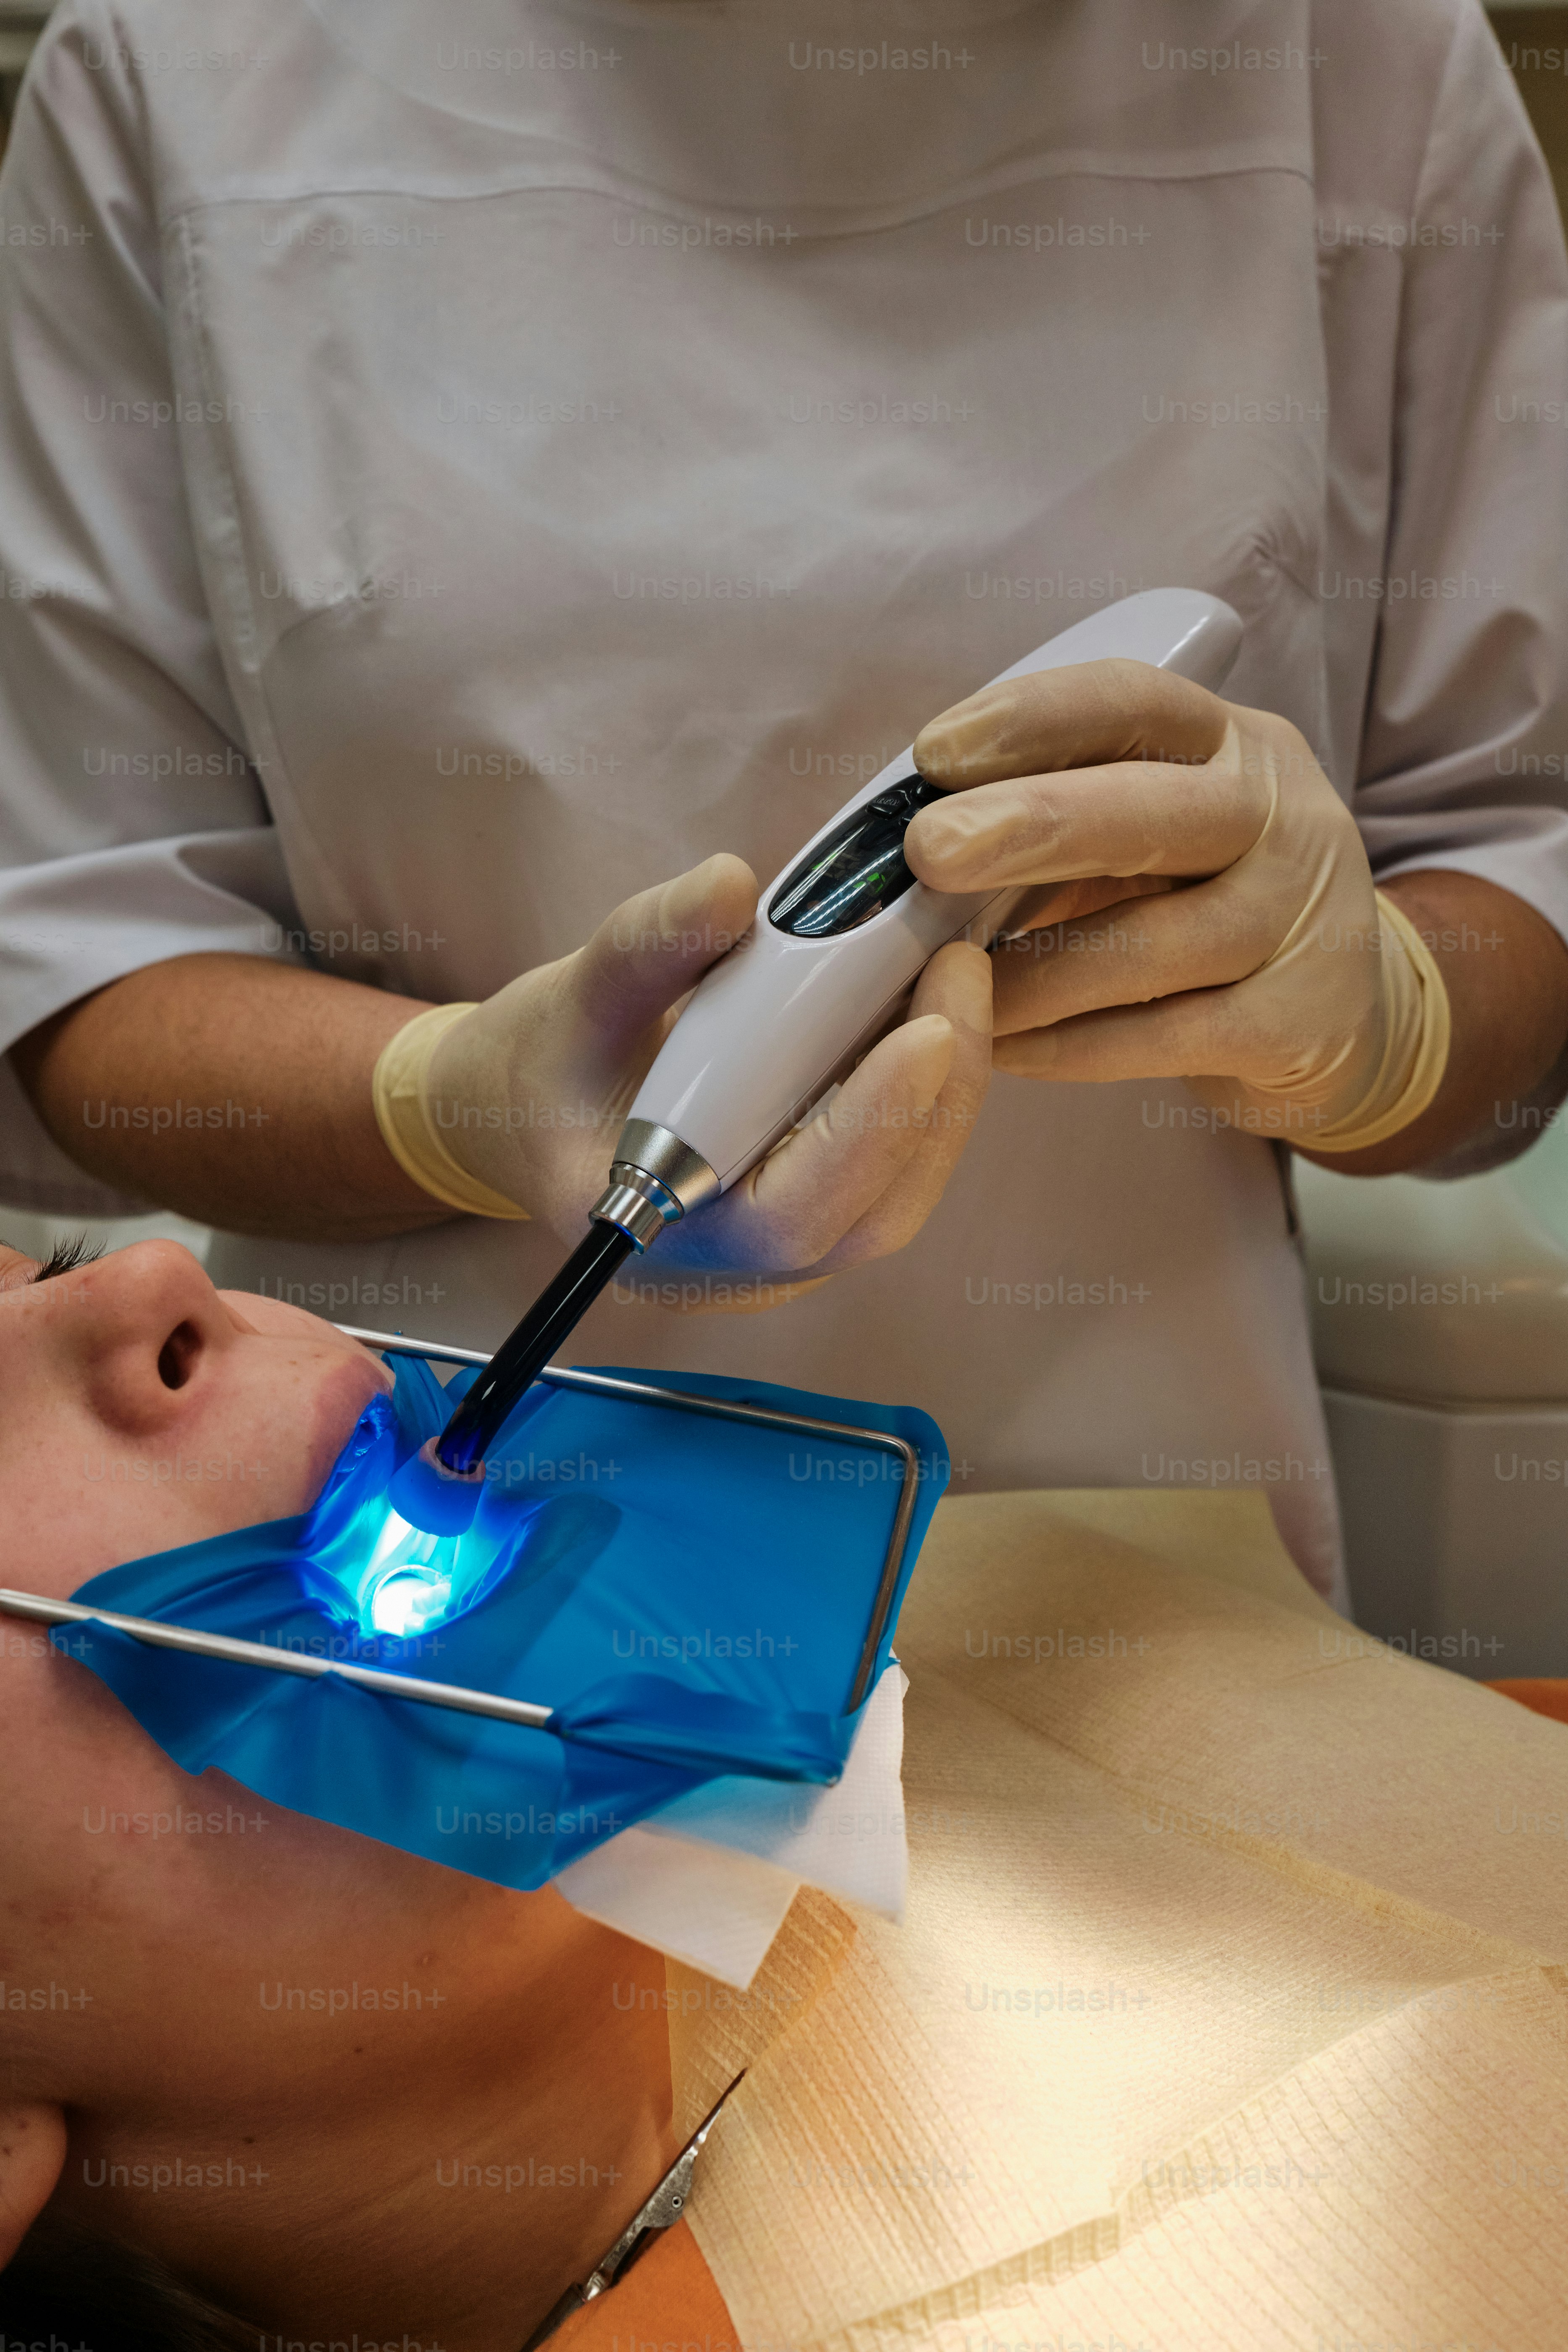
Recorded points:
(1235, 940)
(528, 1091)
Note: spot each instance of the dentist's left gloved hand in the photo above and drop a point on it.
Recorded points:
(512, 1108)
(1204, 907)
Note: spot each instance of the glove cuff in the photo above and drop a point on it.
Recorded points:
(403, 1115)
(1417, 1026)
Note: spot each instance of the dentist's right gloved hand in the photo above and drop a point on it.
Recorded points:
(1239, 940)
(512, 1108)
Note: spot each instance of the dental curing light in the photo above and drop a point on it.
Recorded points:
(841, 937)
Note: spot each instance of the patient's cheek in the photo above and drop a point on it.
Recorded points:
(77, 1498)
(303, 1391)
(276, 1317)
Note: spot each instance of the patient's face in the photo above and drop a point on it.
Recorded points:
(139, 1360)
(140, 1409)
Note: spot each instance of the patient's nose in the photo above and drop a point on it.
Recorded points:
(144, 1331)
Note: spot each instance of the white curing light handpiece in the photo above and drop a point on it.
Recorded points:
(841, 938)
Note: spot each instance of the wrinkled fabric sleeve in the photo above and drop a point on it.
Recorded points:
(1464, 743)
(133, 825)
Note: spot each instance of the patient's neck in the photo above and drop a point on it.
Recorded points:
(436, 2164)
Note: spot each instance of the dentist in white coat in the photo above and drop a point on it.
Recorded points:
(465, 468)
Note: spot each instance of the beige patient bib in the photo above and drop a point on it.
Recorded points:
(1229, 2010)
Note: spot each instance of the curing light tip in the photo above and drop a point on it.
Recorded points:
(439, 1487)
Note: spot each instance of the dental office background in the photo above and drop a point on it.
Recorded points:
(1439, 1311)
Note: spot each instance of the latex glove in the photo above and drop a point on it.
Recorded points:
(548, 1067)
(1233, 935)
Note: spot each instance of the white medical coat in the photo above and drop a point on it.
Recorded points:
(462, 465)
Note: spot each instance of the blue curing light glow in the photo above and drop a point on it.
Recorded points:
(405, 1604)
(395, 1579)
(407, 1583)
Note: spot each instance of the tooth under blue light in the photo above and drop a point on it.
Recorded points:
(404, 1605)
(408, 1582)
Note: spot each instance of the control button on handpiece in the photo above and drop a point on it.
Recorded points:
(857, 871)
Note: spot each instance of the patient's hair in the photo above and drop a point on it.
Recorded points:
(99, 2296)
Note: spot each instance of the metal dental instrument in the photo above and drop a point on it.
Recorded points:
(235, 1652)
(535, 1715)
(840, 939)
(661, 2211)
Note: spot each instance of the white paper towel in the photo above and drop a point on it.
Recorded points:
(710, 1879)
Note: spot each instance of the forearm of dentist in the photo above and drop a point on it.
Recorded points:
(239, 1092)
(253, 1079)
(234, 1090)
